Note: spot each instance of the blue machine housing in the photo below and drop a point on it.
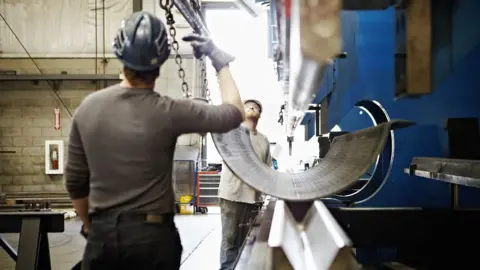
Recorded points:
(371, 40)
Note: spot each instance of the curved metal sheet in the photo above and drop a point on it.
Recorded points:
(349, 157)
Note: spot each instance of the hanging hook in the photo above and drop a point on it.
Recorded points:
(166, 4)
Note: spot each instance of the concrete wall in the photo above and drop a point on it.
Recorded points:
(27, 111)
(81, 28)
(70, 36)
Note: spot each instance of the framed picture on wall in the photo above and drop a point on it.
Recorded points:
(54, 157)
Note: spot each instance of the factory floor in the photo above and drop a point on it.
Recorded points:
(200, 235)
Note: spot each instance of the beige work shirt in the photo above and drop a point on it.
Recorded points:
(231, 187)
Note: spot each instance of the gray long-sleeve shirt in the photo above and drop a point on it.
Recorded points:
(122, 142)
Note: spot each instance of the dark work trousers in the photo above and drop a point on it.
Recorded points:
(237, 219)
(132, 241)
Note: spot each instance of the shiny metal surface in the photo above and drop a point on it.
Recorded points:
(284, 44)
(304, 82)
(456, 171)
(317, 243)
(329, 247)
(349, 157)
(314, 41)
(192, 17)
(285, 236)
(384, 163)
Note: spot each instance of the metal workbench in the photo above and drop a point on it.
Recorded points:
(33, 248)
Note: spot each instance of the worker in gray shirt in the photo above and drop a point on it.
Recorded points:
(120, 153)
(238, 201)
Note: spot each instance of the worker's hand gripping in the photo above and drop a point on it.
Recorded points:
(203, 45)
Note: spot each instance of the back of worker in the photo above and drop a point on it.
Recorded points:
(129, 138)
(121, 147)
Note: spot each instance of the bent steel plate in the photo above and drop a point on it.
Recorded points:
(349, 157)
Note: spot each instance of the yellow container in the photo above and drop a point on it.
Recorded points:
(186, 209)
(185, 198)
(10, 202)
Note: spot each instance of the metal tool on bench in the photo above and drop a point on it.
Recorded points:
(37, 205)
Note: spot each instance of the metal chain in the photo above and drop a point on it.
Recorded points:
(167, 6)
(203, 61)
(203, 74)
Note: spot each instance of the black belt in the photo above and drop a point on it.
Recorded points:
(135, 216)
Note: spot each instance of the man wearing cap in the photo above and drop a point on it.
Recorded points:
(238, 201)
(121, 146)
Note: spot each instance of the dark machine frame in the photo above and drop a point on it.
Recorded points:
(33, 249)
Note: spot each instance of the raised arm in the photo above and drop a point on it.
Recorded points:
(220, 61)
(190, 116)
(229, 91)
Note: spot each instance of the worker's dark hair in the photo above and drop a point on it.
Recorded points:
(146, 77)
